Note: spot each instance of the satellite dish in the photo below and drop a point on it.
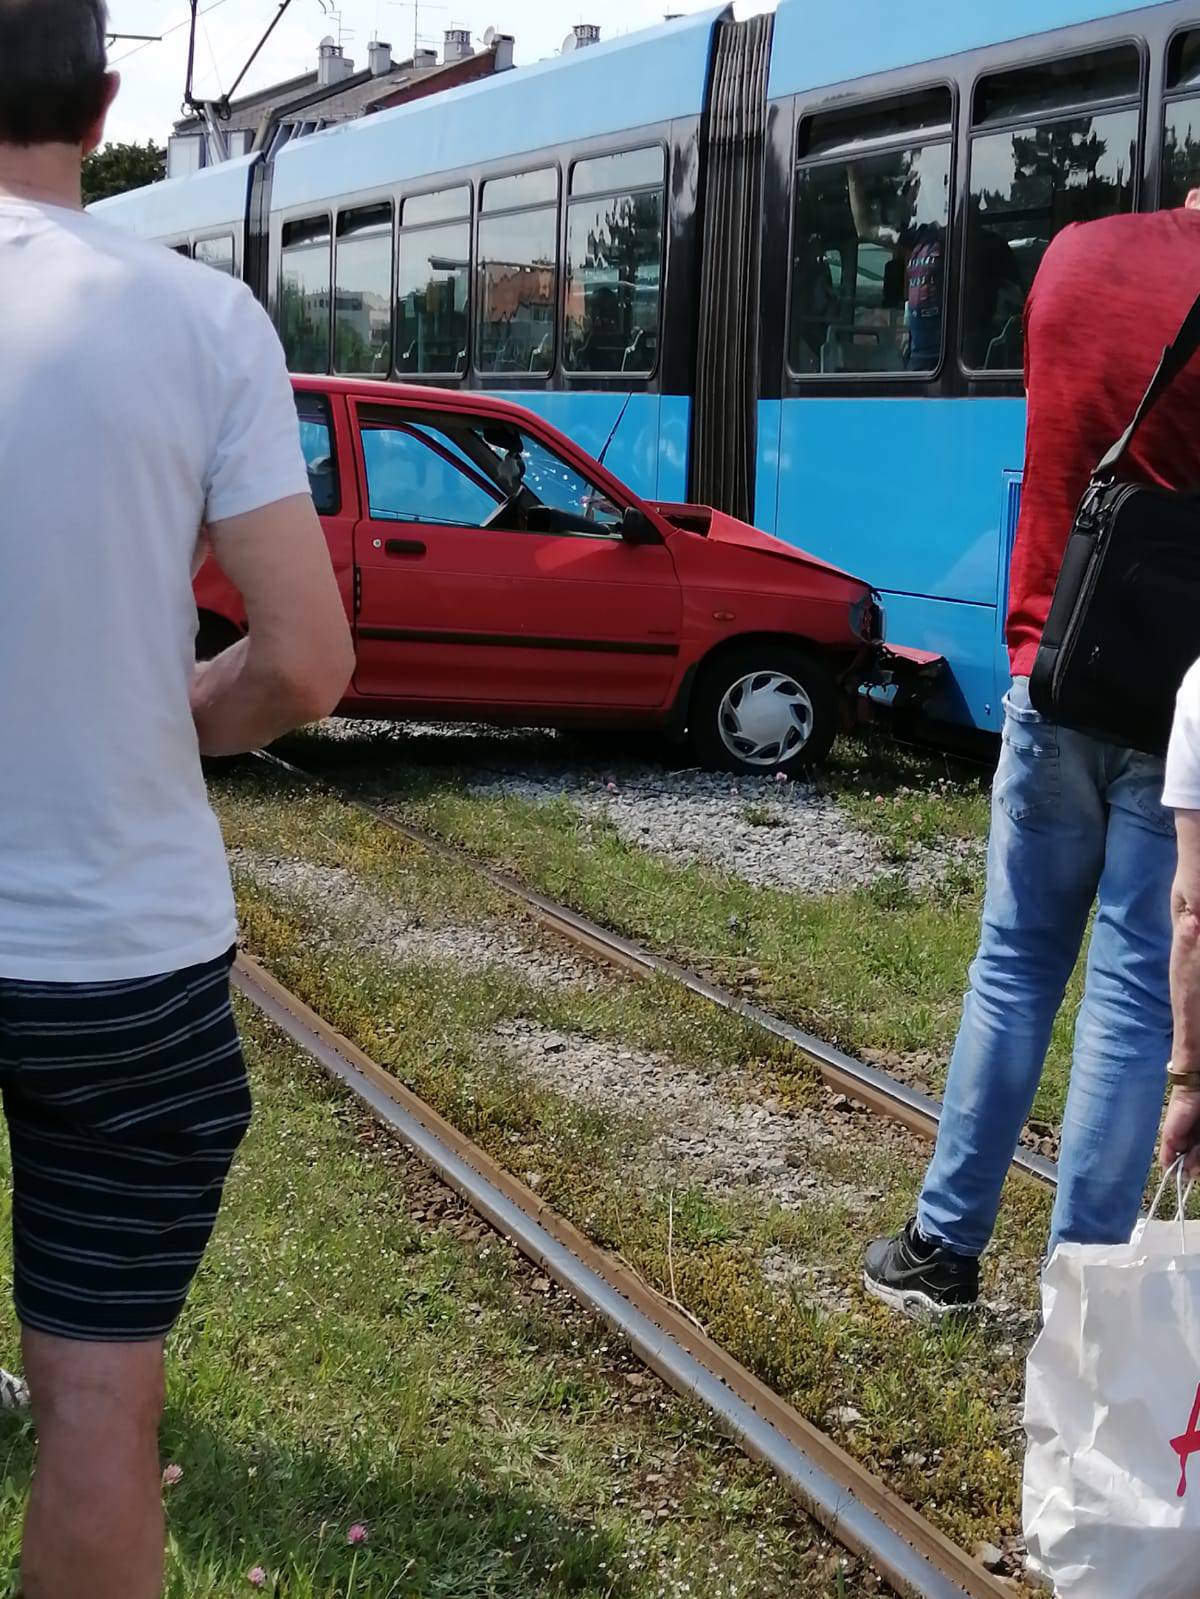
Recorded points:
(489, 37)
(571, 42)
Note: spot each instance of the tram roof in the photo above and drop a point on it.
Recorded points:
(818, 46)
(211, 198)
(621, 84)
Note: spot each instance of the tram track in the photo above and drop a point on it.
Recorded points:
(875, 1089)
(906, 1549)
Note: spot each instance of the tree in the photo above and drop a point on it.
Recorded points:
(119, 167)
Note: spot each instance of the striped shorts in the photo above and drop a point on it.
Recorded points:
(125, 1105)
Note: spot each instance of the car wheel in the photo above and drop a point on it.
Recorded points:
(762, 709)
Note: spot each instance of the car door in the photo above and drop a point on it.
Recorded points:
(491, 572)
(325, 441)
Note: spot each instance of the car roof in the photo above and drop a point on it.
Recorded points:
(416, 394)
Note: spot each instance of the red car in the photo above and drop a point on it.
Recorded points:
(494, 571)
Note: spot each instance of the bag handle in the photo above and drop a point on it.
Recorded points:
(1174, 358)
(1183, 1195)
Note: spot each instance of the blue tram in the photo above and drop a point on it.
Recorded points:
(775, 265)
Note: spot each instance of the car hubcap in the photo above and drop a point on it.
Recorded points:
(765, 719)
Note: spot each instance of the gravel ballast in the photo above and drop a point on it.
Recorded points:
(378, 927)
(771, 834)
(724, 1136)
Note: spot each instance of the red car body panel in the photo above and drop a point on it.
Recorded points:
(468, 621)
(719, 528)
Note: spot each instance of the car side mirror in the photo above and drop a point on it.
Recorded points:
(637, 528)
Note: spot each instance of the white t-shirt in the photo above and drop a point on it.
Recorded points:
(1182, 789)
(141, 394)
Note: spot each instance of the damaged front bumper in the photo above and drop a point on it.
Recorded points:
(892, 678)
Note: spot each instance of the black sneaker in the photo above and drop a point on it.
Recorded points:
(918, 1278)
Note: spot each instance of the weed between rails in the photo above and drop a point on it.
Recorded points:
(935, 1411)
(879, 968)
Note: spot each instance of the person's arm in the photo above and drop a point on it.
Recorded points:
(265, 536)
(1181, 793)
(295, 664)
(1181, 1132)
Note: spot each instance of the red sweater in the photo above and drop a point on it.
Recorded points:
(1107, 298)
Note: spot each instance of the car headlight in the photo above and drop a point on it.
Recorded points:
(867, 618)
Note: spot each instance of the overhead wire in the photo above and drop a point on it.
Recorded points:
(196, 16)
(175, 27)
(234, 50)
(212, 54)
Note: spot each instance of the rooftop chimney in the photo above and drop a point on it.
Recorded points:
(425, 58)
(586, 33)
(333, 65)
(381, 58)
(503, 46)
(457, 45)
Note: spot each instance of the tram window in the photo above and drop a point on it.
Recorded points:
(434, 284)
(305, 293)
(907, 118)
(518, 277)
(446, 205)
(1181, 152)
(1113, 74)
(521, 190)
(869, 262)
(362, 315)
(316, 440)
(614, 264)
(1027, 184)
(1181, 128)
(182, 249)
(217, 253)
(1183, 61)
(609, 174)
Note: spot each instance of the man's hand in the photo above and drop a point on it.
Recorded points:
(1181, 1131)
(212, 679)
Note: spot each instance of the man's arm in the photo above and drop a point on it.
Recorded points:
(295, 665)
(1181, 1133)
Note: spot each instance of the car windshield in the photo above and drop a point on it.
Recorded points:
(443, 468)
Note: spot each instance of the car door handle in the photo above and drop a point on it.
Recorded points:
(404, 547)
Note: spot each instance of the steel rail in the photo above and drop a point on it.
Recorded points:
(912, 1555)
(881, 1093)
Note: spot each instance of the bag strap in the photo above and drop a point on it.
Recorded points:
(1183, 1195)
(1174, 358)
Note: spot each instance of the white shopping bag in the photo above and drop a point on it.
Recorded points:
(1112, 1417)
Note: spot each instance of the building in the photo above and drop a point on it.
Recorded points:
(333, 92)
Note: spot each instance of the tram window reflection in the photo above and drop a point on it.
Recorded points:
(614, 263)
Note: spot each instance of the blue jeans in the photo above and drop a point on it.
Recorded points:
(1074, 820)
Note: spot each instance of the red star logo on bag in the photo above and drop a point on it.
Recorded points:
(1188, 1443)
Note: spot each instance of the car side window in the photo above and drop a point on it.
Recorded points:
(485, 472)
(316, 440)
(413, 476)
(562, 488)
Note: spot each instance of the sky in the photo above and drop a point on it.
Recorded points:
(153, 75)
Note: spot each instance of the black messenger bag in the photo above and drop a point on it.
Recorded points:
(1124, 625)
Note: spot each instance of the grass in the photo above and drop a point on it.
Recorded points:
(881, 968)
(343, 1362)
(907, 796)
(935, 1410)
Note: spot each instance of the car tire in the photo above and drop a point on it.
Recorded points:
(749, 695)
